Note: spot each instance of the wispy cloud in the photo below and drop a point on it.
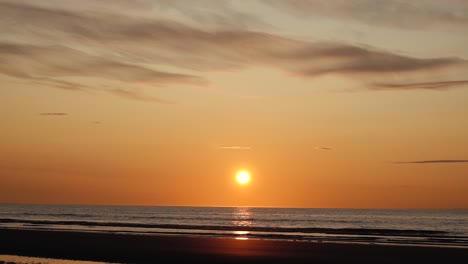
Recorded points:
(54, 64)
(28, 61)
(53, 114)
(138, 96)
(111, 51)
(235, 148)
(431, 161)
(417, 14)
(212, 14)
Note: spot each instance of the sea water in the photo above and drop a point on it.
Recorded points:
(428, 227)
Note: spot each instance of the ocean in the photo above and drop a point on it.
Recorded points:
(408, 227)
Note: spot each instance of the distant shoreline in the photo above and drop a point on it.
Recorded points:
(122, 248)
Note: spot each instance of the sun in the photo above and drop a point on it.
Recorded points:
(243, 177)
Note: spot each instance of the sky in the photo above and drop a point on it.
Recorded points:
(327, 104)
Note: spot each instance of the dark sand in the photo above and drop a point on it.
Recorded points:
(169, 249)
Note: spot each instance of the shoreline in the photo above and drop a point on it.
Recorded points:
(240, 237)
(124, 248)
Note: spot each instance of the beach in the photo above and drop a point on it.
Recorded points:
(124, 248)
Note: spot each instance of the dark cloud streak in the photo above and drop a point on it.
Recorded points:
(53, 114)
(443, 85)
(325, 148)
(431, 161)
(352, 60)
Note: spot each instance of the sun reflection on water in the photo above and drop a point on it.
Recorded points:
(242, 217)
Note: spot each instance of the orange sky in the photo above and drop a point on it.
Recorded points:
(162, 102)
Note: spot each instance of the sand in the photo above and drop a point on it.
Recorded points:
(123, 248)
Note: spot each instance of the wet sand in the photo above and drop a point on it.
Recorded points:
(122, 248)
(13, 259)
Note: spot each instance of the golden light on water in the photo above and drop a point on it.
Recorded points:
(242, 218)
(243, 177)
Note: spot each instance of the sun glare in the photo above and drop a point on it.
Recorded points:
(243, 177)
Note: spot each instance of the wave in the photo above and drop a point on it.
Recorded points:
(318, 230)
(197, 218)
(57, 214)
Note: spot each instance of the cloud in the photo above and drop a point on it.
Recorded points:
(112, 51)
(52, 65)
(138, 96)
(442, 85)
(53, 114)
(313, 59)
(431, 161)
(28, 61)
(391, 13)
(212, 14)
(236, 148)
(137, 39)
(325, 148)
